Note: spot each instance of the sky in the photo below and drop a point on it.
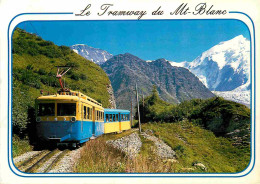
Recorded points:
(174, 40)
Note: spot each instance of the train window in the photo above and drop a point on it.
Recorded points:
(110, 118)
(46, 109)
(66, 109)
(85, 112)
(90, 113)
(107, 118)
(116, 117)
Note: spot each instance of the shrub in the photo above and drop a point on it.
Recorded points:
(29, 67)
(51, 51)
(28, 77)
(72, 64)
(74, 76)
(66, 50)
(179, 148)
(38, 38)
(82, 76)
(45, 43)
(41, 71)
(215, 114)
(19, 111)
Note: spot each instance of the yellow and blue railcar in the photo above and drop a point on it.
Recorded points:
(68, 117)
(74, 118)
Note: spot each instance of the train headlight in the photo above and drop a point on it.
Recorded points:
(73, 119)
(38, 119)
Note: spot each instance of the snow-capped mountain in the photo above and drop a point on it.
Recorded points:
(96, 55)
(224, 67)
(180, 64)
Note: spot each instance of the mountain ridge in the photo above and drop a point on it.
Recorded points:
(174, 84)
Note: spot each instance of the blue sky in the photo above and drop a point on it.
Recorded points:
(175, 40)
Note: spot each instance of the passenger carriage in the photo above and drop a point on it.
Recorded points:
(116, 120)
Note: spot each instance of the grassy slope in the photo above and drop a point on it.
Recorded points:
(94, 84)
(34, 61)
(194, 144)
(191, 143)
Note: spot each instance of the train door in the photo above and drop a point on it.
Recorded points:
(93, 120)
(82, 117)
(119, 120)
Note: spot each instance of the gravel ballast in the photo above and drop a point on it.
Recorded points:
(46, 164)
(163, 150)
(67, 163)
(25, 156)
(130, 144)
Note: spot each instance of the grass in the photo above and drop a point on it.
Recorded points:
(20, 146)
(191, 143)
(99, 157)
(113, 136)
(194, 144)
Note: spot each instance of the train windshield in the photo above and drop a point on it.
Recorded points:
(46, 109)
(66, 109)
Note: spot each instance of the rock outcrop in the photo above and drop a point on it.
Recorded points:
(112, 99)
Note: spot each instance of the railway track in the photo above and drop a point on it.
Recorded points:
(42, 162)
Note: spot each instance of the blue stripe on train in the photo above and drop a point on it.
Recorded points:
(67, 131)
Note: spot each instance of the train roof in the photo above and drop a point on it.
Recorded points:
(72, 95)
(116, 111)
